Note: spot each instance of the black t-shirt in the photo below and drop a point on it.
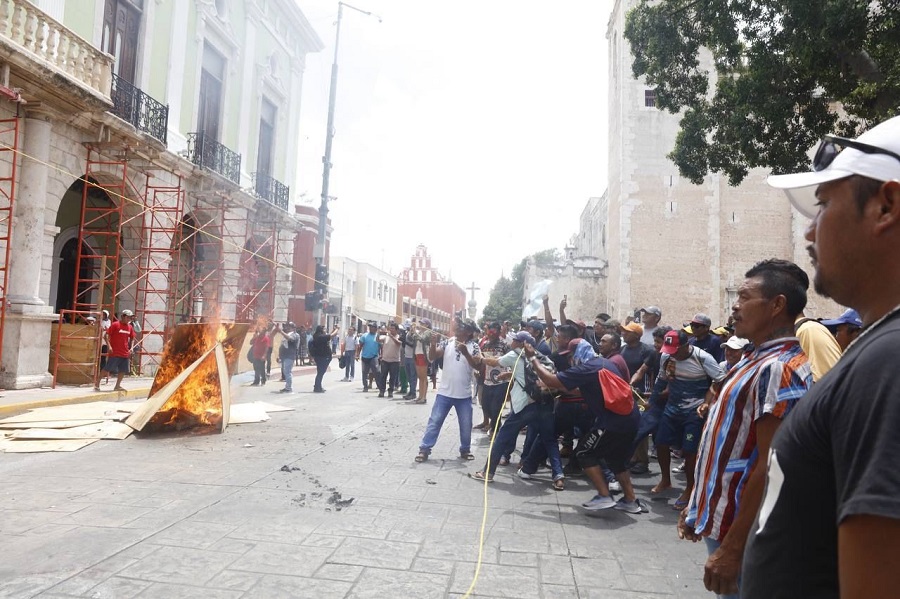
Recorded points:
(835, 456)
(585, 377)
(636, 356)
(711, 344)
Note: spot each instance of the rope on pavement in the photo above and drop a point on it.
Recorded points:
(484, 513)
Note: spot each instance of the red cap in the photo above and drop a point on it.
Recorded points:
(671, 343)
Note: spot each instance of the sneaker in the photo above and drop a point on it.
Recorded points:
(679, 469)
(632, 507)
(345, 380)
(615, 486)
(599, 502)
(522, 474)
(286, 391)
(381, 394)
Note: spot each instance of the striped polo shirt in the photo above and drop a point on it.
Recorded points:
(769, 380)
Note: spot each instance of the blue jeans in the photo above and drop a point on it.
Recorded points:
(649, 424)
(439, 411)
(409, 365)
(532, 416)
(322, 363)
(350, 368)
(711, 546)
(287, 367)
(369, 365)
(543, 444)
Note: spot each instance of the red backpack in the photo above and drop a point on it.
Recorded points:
(617, 395)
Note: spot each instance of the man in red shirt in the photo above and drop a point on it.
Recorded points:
(121, 340)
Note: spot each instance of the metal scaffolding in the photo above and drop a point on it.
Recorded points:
(9, 147)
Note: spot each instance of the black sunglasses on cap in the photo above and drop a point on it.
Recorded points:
(832, 145)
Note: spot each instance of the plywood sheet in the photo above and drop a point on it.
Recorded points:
(34, 446)
(245, 413)
(105, 430)
(47, 424)
(96, 410)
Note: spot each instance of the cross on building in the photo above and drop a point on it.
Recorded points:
(473, 289)
(473, 305)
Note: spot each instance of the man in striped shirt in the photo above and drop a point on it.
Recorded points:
(747, 409)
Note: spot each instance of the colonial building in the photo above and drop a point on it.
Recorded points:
(671, 243)
(359, 293)
(147, 157)
(425, 293)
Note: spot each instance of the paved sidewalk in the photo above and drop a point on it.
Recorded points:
(324, 501)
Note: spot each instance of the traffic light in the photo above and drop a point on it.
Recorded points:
(321, 276)
(311, 301)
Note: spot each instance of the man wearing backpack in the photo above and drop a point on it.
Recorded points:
(287, 354)
(612, 433)
(525, 411)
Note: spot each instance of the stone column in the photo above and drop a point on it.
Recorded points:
(26, 335)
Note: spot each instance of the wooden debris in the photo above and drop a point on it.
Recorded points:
(105, 430)
(271, 407)
(245, 413)
(48, 424)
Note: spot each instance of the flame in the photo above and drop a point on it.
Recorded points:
(198, 401)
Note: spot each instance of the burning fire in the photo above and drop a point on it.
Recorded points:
(198, 401)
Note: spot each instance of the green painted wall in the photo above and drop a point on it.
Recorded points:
(79, 17)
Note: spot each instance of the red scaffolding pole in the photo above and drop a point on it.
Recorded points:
(9, 146)
(262, 267)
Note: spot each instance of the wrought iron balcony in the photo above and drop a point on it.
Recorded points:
(143, 112)
(207, 153)
(272, 190)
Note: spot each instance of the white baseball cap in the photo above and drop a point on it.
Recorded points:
(736, 342)
(874, 154)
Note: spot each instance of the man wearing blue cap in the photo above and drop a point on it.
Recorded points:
(829, 523)
(845, 327)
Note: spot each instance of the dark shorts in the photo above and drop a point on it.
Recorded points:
(492, 399)
(117, 365)
(612, 447)
(680, 428)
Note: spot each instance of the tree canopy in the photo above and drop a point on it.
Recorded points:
(784, 73)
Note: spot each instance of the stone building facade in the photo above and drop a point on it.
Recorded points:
(152, 148)
(671, 243)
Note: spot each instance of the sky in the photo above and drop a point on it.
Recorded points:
(477, 128)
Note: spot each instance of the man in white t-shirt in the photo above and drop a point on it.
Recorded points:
(461, 357)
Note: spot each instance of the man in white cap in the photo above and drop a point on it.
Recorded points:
(829, 524)
(650, 317)
(734, 351)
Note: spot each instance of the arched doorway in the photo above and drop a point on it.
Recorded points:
(67, 266)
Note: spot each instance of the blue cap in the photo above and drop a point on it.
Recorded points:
(523, 337)
(849, 316)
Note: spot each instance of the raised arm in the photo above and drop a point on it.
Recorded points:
(548, 318)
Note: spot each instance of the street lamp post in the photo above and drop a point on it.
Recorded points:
(319, 250)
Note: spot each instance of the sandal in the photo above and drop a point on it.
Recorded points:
(467, 456)
(504, 461)
(480, 477)
(421, 457)
(559, 484)
(679, 504)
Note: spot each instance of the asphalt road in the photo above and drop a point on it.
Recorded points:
(324, 501)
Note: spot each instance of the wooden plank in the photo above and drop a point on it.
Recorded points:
(105, 430)
(271, 407)
(245, 413)
(48, 424)
(224, 385)
(145, 412)
(33, 446)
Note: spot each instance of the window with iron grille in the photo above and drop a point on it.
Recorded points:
(650, 98)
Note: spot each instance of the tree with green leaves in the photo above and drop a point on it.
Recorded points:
(785, 73)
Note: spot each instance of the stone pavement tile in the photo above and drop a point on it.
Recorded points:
(178, 591)
(165, 516)
(199, 535)
(17, 522)
(550, 542)
(377, 584)
(289, 527)
(341, 572)
(138, 550)
(594, 592)
(649, 584)
(105, 515)
(274, 558)
(273, 586)
(512, 558)
(459, 550)
(346, 524)
(228, 545)
(82, 582)
(317, 540)
(497, 581)
(118, 588)
(234, 580)
(127, 493)
(412, 530)
(600, 573)
(559, 592)
(432, 566)
(17, 498)
(375, 553)
(49, 531)
(556, 570)
(179, 565)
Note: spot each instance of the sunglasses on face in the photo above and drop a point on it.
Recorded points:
(832, 145)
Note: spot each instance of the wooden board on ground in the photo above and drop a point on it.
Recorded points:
(271, 407)
(47, 424)
(245, 413)
(224, 386)
(30, 446)
(105, 430)
(97, 410)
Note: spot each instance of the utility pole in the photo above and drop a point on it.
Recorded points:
(319, 250)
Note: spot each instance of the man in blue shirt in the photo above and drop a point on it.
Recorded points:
(367, 351)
